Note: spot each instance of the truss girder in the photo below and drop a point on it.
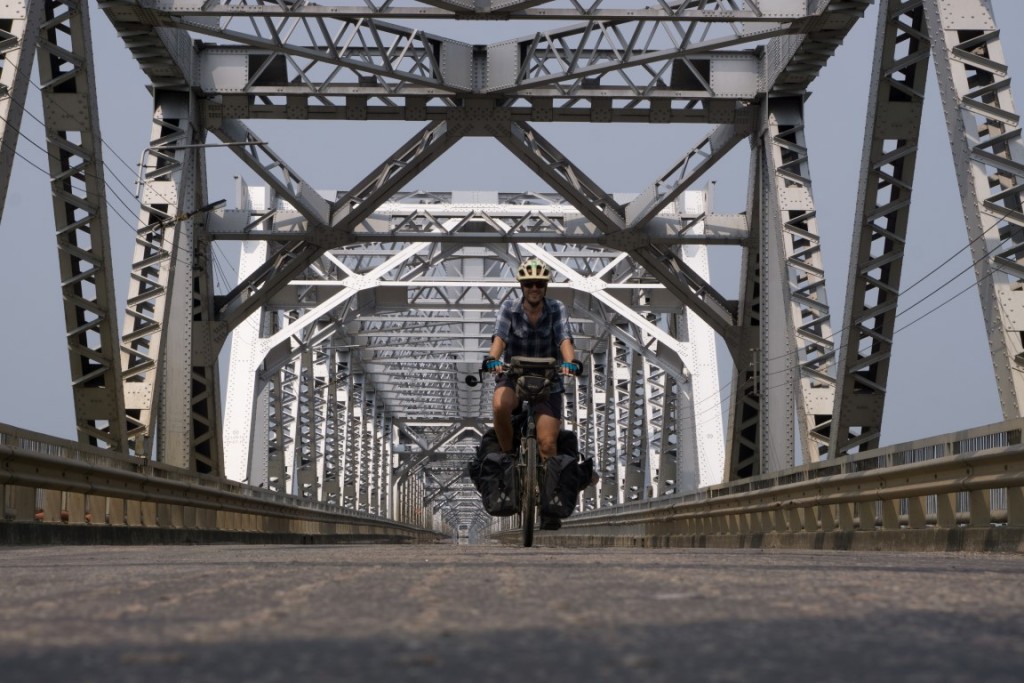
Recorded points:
(805, 319)
(488, 223)
(345, 213)
(74, 149)
(620, 381)
(165, 55)
(743, 443)
(290, 394)
(896, 98)
(591, 424)
(350, 435)
(296, 50)
(19, 33)
(988, 154)
(332, 441)
(609, 217)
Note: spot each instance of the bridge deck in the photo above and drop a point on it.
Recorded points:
(494, 613)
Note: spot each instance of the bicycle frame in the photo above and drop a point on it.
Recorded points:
(532, 379)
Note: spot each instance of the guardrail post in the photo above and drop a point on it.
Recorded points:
(945, 510)
(95, 510)
(49, 508)
(794, 520)
(828, 520)
(764, 521)
(177, 517)
(133, 513)
(981, 510)
(148, 513)
(845, 517)
(754, 518)
(866, 515)
(206, 518)
(810, 519)
(916, 512)
(778, 518)
(744, 523)
(19, 503)
(74, 506)
(890, 514)
(116, 514)
(163, 515)
(1015, 506)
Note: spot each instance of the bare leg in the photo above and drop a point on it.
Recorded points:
(547, 435)
(505, 402)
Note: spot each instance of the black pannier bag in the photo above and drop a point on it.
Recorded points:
(563, 478)
(494, 475)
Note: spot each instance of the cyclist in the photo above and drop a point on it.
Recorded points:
(533, 325)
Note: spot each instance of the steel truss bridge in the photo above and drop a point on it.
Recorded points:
(358, 311)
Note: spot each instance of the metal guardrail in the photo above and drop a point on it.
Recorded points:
(46, 479)
(971, 480)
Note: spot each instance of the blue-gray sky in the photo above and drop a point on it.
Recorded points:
(941, 376)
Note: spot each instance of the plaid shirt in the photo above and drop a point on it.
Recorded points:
(523, 339)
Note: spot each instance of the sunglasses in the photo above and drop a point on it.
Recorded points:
(534, 283)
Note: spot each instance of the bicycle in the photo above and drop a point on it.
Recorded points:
(533, 379)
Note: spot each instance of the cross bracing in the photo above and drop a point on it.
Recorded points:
(357, 312)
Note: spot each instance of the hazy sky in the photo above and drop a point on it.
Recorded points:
(941, 374)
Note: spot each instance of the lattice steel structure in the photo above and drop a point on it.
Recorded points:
(358, 310)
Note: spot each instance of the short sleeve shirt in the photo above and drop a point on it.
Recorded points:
(523, 339)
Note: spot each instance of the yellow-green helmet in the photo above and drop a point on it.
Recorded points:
(533, 269)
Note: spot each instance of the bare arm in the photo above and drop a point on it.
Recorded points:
(497, 347)
(568, 350)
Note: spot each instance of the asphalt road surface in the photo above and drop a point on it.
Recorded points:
(490, 614)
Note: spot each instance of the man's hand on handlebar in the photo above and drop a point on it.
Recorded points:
(493, 365)
(571, 367)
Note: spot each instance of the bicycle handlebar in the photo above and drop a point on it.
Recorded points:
(520, 365)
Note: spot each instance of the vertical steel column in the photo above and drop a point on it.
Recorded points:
(245, 407)
(163, 252)
(359, 442)
(620, 385)
(350, 435)
(74, 148)
(388, 507)
(634, 425)
(305, 437)
(805, 316)
(207, 338)
(649, 420)
(319, 417)
(19, 33)
(597, 432)
(896, 99)
(743, 444)
(291, 390)
(332, 433)
(373, 453)
(279, 437)
(988, 155)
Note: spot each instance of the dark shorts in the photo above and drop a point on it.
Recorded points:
(552, 406)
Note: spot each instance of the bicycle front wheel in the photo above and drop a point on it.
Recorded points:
(529, 491)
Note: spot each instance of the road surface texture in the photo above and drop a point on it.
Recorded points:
(490, 614)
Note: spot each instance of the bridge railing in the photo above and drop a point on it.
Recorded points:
(102, 494)
(963, 490)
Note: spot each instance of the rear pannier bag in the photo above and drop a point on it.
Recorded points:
(494, 475)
